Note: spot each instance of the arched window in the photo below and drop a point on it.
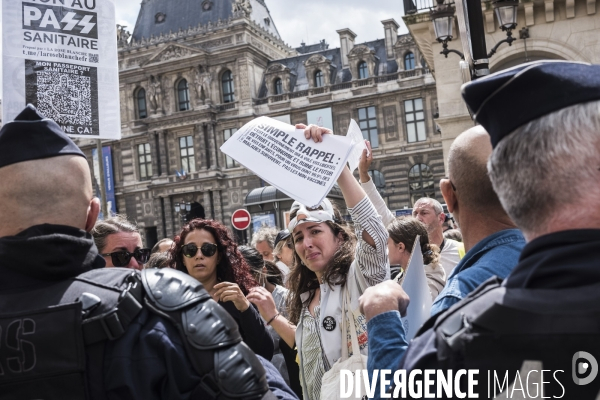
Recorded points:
(141, 103)
(183, 95)
(319, 79)
(409, 61)
(420, 182)
(363, 71)
(227, 85)
(278, 86)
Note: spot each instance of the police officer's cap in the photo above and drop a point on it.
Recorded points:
(31, 136)
(508, 99)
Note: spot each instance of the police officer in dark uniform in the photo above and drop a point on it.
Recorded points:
(72, 329)
(540, 328)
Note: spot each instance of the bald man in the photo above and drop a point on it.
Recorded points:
(74, 329)
(492, 241)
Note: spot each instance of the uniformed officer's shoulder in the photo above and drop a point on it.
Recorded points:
(460, 315)
(116, 278)
(171, 289)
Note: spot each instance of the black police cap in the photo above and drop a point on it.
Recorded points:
(31, 136)
(508, 99)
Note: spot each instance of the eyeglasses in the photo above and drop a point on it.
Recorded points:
(207, 249)
(122, 258)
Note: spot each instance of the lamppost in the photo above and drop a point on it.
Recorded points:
(182, 210)
(443, 20)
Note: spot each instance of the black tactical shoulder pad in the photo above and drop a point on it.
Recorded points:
(240, 373)
(209, 326)
(172, 290)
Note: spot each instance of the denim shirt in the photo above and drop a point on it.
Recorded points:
(387, 345)
(496, 255)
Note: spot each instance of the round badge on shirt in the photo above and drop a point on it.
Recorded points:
(329, 323)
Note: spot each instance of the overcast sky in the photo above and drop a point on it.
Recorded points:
(311, 20)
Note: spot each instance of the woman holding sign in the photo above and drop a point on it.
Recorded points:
(331, 264)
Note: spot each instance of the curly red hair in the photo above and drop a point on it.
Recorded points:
(232, 266)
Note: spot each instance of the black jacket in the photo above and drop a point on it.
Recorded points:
(148, 362)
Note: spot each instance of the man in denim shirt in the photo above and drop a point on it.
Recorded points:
(492, 241)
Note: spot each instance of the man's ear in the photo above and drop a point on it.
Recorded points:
(92, 214)
(400, 246)
(448, 194)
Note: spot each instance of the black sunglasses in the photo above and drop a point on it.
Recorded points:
(207, 249)
(122, 258)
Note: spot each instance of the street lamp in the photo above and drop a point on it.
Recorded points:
(443, 17)
(443, 20)
(182, 210)
(506, 12)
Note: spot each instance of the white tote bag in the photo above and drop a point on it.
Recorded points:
(330, 386)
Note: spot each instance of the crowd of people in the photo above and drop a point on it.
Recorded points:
(202, 316)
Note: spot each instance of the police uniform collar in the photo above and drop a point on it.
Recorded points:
(31, 136)
(506, 100)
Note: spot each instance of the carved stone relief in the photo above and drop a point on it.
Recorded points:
(390, 121)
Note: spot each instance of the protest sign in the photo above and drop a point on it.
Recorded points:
(281, 155)
(61, 56)
(415, 285)
(355, 134)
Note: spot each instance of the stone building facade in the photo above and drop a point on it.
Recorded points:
(560, 30)
(193, 72)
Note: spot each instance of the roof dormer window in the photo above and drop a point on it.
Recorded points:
(160, 17)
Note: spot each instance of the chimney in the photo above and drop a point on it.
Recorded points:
(390, 27)
(346, 44)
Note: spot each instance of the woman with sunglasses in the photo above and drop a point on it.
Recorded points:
(205, 249)
(120, 243)
(328, 261)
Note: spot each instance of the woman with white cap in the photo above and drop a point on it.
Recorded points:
(329, 262)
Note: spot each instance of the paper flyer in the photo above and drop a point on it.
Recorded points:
(61, 56)
(279, 154)
(415, 285)
(355, 134)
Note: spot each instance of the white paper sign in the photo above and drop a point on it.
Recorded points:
(415, 285)
(61, 56)
(355, 134)
(280, 155)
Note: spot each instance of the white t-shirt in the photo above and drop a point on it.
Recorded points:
(450, 255)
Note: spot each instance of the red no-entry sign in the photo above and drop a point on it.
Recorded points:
(241, 219)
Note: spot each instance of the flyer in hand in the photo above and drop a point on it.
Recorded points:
(281, 155)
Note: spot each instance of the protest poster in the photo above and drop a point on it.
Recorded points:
(281, 155)
(355, 134)
(61, 56)
(415, 285)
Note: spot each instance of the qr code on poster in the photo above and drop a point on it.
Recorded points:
(65, 98)
(94, 58)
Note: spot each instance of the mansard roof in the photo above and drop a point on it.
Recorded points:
(164, 16)
(296, 65)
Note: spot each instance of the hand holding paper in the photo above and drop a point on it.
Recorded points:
(303, 168)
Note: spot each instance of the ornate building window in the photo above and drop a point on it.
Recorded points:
(278, 85)
(415, 120)
(367, 120)
(142, 110)
(186, 152)
(144, 161)
(227, 85)
(420, 182)
(409, 61)
(183, 95)
(363, 70)
(229, 162)
(319, 79)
